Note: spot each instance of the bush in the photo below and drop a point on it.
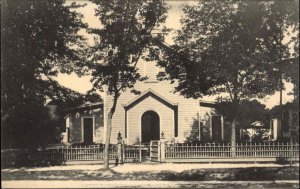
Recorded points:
(281, 160)
(24, 158)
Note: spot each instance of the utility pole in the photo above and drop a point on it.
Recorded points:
(280, 104)
(280, 92)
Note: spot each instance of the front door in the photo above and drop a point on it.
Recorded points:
(88, 130)
(150, 126)
(216, 129)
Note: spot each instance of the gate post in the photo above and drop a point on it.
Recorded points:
(140, 151)
(120, 158)
(158, 152)
(162, 148)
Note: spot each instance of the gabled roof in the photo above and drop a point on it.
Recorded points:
(146, 94)
(210, 104)
(87, 105)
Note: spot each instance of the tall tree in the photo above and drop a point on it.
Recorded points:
(39, 38)
(248, 113)
(123, 38)
(290, 67)
(233, 47)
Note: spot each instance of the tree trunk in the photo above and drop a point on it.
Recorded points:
(233, 137)
(233, 125)
(108, 134)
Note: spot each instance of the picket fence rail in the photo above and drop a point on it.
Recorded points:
(131, 153)
(159, 151)
(221, 151)
(70, 153)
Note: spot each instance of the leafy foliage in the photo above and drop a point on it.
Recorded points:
(232, 47)
(277, 110)
(291, 73)
(120, 42)
(260, 135)
(39, 39)
(248, 113)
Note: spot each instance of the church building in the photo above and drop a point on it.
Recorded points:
(143, 117)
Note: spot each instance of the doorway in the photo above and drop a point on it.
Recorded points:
(88, 130)
(150, 127)
(216, 128)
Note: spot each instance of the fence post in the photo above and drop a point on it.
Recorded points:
(123, 152)
(162, 147)
(291, 153)
(120, 158)
(233, 150)
(291, 138)
(140, 151)
(255, 151)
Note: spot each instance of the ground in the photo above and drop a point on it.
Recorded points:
(147, 184)
(168, 175)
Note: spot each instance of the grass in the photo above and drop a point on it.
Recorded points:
(246, 174)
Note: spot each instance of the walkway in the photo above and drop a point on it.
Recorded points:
(149, 167)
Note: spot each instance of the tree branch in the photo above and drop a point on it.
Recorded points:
(136, 60)
(249, 72)
(229, 90)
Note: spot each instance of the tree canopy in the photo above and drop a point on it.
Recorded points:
(232, 47)
(39, 38)
(249, 112)
(120, 43)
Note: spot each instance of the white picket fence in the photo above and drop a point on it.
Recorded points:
(131, 153)
(226, 152)
(159, 151)
(70, 153)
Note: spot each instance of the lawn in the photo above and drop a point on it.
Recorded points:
(159, 172)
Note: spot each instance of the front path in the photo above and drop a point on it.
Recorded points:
(151, 167)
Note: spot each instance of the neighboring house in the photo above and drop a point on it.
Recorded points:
(84, 124)
(275, 129)
(281, 129)
(141, 118)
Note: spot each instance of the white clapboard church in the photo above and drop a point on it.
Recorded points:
(141, 118)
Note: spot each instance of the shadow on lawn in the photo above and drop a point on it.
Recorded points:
(243, 174)
(234, 174)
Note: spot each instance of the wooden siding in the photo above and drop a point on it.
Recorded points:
(205, 114)
(75, 128)
(76, 125)
(134, 115)
(188, 109)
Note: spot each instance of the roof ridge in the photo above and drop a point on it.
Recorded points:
(149, 90)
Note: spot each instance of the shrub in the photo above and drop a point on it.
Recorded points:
(281, 160)
(25, 158)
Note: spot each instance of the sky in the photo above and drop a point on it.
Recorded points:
(83, 84)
